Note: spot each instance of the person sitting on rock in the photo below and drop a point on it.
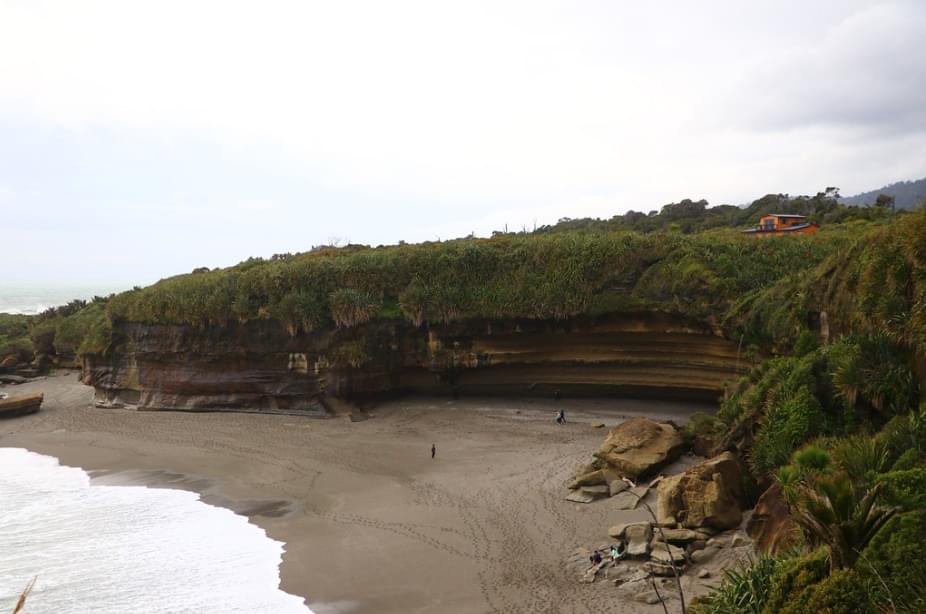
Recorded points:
(595, 558)
(617, 551)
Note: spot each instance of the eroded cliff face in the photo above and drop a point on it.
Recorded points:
(259, 366)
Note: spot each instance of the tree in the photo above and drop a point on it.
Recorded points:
(885, 201)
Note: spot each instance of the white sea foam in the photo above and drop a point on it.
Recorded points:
(127, 549)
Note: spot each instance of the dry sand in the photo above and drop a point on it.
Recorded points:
(371, 523)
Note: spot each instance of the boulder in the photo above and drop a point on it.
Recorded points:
(9, 362)
(617, 486)
(679, 536)
(588, 467)
(630, 588)
(649, 597)
(771, 527)
(592, 478)
(577, 496)
(12, 379)
(42, 363)
(710, 494)
(660, 554)
(20, 405)
(623, 573)
(698, 544)
(589, 576)
(640, 446)
(660, 570)
(618, 530)
(598, 492)
(638, 536)
(629, 497)
(703, 556)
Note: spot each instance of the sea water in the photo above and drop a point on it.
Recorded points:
(30, 299)
(127, 549)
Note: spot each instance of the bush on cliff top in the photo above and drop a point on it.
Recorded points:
(538, 276)
(762, 292)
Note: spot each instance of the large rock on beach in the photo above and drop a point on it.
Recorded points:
(710, 494)
(640, 446)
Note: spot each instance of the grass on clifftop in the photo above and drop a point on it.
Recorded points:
(526, 276)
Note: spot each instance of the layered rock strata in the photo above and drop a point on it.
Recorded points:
(259, 365)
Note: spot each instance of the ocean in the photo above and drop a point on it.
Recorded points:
(30, 299)
(127, 549)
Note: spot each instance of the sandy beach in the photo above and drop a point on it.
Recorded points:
(371, 523)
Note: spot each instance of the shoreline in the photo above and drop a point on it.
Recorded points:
(369, 523)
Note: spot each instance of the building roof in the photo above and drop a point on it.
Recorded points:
(776, 230)
(795, 215)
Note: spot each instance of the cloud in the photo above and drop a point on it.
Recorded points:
(230, 129)
(865, 72)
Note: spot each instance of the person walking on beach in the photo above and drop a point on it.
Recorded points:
(561, 417)
(433, 450)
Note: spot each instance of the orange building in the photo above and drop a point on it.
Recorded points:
(779, 224)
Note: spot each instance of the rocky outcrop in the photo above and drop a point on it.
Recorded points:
(260, 365)
(20, 405)
(710, 494)
(640, 446)
(771, 527)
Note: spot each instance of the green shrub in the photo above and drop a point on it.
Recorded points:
(907, 460)
(906, 488)
(742, 590)
(351, 307)
(784, 428)
(791, 578)
(806, 343)
(844, 591)
(895, 563)
(862, 457)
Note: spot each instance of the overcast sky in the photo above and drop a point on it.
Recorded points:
(143, 139)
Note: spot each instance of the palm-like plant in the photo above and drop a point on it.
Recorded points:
(834, 511)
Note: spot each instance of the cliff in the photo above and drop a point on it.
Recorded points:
(575, 312)
(260, 366)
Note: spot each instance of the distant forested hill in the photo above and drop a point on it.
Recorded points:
(907, 195)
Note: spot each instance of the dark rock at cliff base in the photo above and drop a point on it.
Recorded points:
(771, 526)
(640, 446)
(12, 379)
(709, 494)
(20, 405)
(8, 362)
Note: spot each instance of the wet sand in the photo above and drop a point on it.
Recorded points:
(371, 522)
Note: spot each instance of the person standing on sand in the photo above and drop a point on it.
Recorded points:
(561, 417)
(433, 450)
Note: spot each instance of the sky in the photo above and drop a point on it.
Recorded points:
(143, 139)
